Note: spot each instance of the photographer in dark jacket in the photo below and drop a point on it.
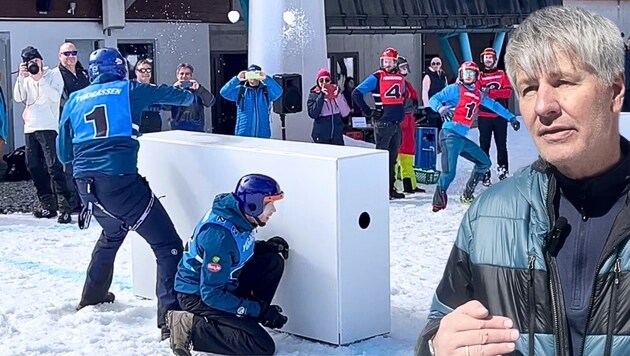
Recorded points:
(327, 109)
(75, 77)
(190, 118)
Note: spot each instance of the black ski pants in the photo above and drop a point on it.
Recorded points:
(226, 334)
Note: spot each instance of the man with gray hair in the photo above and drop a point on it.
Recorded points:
(540, 264)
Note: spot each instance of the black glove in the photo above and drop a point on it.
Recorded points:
(377, 113)
(271, 317)
(274, 245)
(516, 125)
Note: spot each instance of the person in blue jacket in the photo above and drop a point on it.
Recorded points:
(253, 92)
(226, 279)
(98, 133)
(458, 105)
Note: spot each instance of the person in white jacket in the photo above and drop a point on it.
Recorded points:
(39, 89)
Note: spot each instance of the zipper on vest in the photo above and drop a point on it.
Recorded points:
(612, 311)
(559, 329)
(532, 304)
(592, 302)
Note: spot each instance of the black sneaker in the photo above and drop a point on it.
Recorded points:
(486, 180)
(109, 298)
(44, 213)
(503, 172)
(64, 218)
(395, 195)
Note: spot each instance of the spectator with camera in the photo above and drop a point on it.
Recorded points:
(75, 77)
(39, 89)
(327, 108)
(253, 92)
(190, 118)
(150, 121)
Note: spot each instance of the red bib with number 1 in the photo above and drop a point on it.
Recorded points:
(468, 106)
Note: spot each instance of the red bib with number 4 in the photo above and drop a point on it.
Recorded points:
(468, 106)
(391, 88)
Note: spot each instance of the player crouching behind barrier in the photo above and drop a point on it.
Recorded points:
(225, 281)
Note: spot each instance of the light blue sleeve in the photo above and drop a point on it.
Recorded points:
(496, 107)
(368, 85)
(230, 89)
(447, 96)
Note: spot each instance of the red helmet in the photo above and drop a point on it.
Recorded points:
(468, 66)
(488, 52)
(389, 53)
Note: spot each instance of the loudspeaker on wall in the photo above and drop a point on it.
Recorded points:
(291, 100)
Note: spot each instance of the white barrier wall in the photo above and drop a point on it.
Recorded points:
(336, 282)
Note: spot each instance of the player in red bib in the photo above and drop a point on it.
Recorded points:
(408, 146)
(465, 98)
(496, 85)
(388, 88)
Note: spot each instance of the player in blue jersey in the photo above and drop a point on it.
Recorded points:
(225, 281)
(98, 133)
(459, 104)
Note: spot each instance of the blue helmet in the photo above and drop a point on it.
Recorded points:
(253, 191)
(107, 61)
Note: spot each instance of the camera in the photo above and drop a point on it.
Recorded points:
(186, 84)
(32, 67)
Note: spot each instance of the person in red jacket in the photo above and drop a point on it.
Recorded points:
(407, 149)
(496, 85)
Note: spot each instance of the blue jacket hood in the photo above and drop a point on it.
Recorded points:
(226, 205)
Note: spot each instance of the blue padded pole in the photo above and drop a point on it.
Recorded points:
(449, 53)
(464, 43)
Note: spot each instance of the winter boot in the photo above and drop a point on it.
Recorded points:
(393, 194)
(64, 217)
(408, 187)
(42, 213)
(486, 180)
(165, 333)
(503, 172)
(180, 324)
(468, 196)
(109, 298)
(439, 200)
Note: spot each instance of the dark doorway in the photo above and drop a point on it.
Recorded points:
(133, 51)
(225, 65)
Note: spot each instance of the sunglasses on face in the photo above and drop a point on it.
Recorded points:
(435, 63)
(144, 70)
(70, 53)
(324, 80)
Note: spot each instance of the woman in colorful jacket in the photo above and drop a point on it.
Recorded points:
(327, 112)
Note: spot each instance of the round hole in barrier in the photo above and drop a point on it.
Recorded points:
(364, 220)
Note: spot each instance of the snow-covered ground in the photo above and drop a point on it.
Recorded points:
(42, 269)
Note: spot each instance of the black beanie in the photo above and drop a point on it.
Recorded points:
(30, 53)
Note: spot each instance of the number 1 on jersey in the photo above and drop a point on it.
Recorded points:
(98, 117)
(471, 110)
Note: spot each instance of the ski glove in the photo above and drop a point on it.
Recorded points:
(377, 113)
(271, 317)
(274, 245)
(516, 125)
(445, 112)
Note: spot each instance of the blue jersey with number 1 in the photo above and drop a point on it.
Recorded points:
(94, 109)
(98, 130)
